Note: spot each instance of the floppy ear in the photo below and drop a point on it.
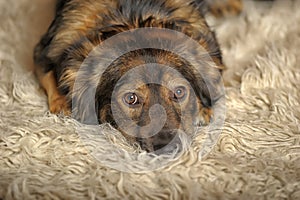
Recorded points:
(209, 87)
(84, 106)
(91, 100)
(209, 73)
(92, 97)
(87, 87)
(205, 77)
(202, 67)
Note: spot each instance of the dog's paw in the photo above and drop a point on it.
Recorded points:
(225, 8)
(205, 117)
(58, 104)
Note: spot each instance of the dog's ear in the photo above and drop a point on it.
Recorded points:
(203, 72)
(209, 67)
(209, 89)
(84, 106)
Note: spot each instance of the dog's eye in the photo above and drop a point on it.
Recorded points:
(131, 99)
(179, 93)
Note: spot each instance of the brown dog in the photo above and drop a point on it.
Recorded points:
(81, 25)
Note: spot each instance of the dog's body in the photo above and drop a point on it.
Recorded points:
(81, 25)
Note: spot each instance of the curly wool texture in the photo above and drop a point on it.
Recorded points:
(258, 152)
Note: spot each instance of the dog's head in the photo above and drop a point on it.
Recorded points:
(150, 95)
(167, 93)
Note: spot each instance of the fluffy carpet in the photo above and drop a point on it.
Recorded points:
(257, 155)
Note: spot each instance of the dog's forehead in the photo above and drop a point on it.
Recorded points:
(151, 73)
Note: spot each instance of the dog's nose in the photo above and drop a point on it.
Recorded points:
(162, 139)
(158, 141)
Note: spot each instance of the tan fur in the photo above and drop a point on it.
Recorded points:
(221, 8)
(57, 102)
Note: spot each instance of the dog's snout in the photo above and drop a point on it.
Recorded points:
(158, 141)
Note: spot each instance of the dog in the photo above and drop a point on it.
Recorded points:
(80, 26)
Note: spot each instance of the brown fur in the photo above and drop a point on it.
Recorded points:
(221, 8)
(81, 25)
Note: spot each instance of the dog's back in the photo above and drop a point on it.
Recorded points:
(76, 19)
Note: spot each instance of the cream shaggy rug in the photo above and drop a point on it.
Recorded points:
(257, 155)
